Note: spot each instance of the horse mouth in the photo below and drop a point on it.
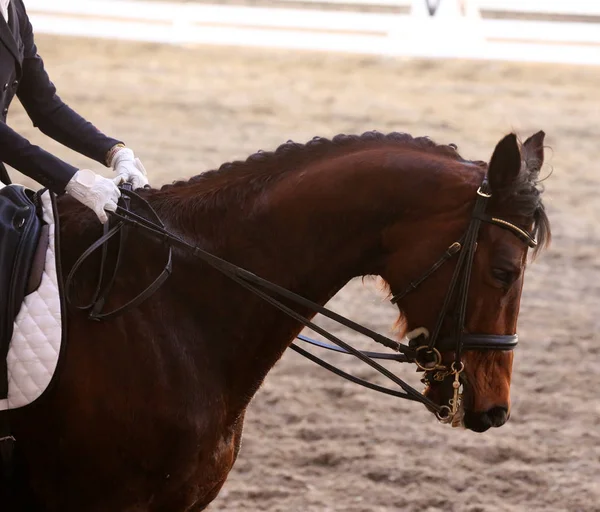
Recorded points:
(441, 393)
(477, 421)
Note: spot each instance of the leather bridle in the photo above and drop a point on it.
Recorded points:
(459, 288)
(421, 348)
(429, 348)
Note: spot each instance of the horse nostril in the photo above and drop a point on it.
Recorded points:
(481, 421)
(498, 416)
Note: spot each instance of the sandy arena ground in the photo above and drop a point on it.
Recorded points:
(312, 441)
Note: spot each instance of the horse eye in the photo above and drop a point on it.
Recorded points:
(506, 277)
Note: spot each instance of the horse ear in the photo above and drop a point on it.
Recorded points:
(505, 163)
(533, 151)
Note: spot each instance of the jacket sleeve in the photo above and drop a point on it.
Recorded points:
(47, 111)
(33, 161)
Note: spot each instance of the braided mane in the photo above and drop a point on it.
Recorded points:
(242, 180)
(267, 165)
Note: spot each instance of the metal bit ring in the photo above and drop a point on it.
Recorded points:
(453, 367)
(444, 415)
(430, 365)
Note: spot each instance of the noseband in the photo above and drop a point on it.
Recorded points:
(422, 349)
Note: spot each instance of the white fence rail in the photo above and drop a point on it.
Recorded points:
(414, 34)
(558, 7)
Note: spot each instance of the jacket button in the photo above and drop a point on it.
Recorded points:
(4, 112)
(5, 87)
(15, 84)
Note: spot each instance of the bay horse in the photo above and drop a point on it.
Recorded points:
(148, 409)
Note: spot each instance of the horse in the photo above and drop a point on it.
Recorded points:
(148, 410)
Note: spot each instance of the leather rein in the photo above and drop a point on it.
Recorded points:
(420, 348)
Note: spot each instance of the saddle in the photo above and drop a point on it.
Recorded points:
(23, 244)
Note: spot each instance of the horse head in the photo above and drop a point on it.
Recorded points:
(476, 357)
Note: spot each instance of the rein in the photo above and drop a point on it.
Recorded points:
(426, 355)
(253, 283)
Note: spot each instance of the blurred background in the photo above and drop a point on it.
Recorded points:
(191, 85)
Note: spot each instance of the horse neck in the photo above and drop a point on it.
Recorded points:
(310, 232)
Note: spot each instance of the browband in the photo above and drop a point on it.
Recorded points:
(516, 230)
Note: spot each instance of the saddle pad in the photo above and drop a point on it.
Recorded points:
(37, 337)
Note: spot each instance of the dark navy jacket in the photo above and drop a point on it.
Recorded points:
(22, 74)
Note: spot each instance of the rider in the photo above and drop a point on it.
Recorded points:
(22, 74)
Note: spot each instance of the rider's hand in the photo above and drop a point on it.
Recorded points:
(129, 169)
(94, 191)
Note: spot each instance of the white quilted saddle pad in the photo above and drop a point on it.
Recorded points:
(37, 337)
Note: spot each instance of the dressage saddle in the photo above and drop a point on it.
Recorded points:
(23, 244)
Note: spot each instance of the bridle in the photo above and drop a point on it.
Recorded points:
(429, 348)
(422, 349)
(459, 287)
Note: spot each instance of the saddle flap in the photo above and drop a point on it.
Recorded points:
(20, 229)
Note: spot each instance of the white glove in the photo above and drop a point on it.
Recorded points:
(128, 168)
(94, 191)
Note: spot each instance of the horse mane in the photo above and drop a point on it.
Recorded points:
(267, 165)
(241, 180)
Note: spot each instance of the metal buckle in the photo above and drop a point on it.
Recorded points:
(482, 194)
